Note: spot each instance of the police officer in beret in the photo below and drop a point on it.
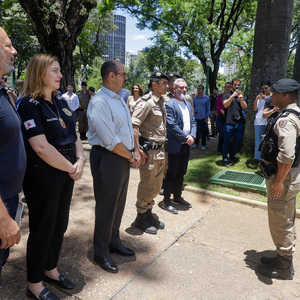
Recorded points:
(280, 149)
(149, 120)
(84, 99)
(172, 77)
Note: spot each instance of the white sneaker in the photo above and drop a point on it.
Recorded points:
(195, 146)
(202, 148)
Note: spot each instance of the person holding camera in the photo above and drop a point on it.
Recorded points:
(280, 149)
(260, 122)
(233, 103)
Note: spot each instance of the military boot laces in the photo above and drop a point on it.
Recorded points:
(143, 223)
(280, 267)
(155, 222)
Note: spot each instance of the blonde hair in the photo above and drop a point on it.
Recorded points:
(34, 85)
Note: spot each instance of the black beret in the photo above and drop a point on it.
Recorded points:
(92, 89)
(286, 86)
(83, 83)
(174, 75)
(158, 75)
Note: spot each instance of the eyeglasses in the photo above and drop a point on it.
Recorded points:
(122, 74)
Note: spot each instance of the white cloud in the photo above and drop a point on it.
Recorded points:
(138, 37)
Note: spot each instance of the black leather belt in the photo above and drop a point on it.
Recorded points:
(103, 148)
(65, 148)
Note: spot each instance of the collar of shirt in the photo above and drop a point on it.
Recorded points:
(155, 98)
(110, 93)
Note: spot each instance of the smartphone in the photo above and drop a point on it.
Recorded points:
(262, 92)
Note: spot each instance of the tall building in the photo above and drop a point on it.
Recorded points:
(116, 40)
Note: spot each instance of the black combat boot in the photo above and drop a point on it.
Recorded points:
(155, 222)
(143, 223)
(280, 267)
(267, 260)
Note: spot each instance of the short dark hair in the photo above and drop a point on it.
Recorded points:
(201, 86)
(156, 80)
(267, 82)
(236, 79)
(107, 67)
(294, 95)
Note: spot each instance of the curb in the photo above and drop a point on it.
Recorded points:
(249, 202)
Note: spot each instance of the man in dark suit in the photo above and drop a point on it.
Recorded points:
(181, 132)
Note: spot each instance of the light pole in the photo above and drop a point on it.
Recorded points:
(208, 65)
(84, 71)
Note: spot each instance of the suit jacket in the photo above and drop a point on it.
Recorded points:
(175, 134)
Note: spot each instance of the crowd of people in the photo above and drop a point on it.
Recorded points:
(42, 154)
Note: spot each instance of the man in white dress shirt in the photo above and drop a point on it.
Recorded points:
(72, 100)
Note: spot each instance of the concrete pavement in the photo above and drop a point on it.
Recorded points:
(208, 252)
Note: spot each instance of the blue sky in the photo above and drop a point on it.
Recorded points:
(135, 39)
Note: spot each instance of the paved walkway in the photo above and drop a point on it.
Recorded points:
(208, 252)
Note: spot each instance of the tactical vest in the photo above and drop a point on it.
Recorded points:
(269, 140)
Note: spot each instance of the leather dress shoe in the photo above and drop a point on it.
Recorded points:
(44, 295)
(182, 202)
(62, 282)
(122, 250)
(106, 263)
(169, 207)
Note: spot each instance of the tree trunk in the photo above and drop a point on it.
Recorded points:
(296, 74)
(57, 24)
(270, 54)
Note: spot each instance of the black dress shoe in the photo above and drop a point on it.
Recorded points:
(63, 282)
(44, 295)
(122, 250)
(169, 207)
(182, 202)
(106, 263)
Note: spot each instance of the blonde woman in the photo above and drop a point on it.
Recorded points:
(55, 159)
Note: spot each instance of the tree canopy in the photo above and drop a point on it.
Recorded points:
(204, 27)
(57, 24)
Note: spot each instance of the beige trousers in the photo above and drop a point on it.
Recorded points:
(151, 177)
(282, 217)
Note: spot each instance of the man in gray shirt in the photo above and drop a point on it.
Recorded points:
(113, 151)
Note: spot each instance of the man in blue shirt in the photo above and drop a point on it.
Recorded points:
(201, 112)
(113, 152)
(12, 157)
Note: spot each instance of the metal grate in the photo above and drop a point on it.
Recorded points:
(240, 179)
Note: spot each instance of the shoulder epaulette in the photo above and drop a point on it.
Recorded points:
(287, 111)
(146, 97)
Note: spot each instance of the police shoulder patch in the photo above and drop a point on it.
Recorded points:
(282, 123)
(67, 112)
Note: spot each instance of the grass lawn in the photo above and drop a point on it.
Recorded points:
(202, 168)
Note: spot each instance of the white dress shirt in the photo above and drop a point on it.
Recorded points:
(72, 100)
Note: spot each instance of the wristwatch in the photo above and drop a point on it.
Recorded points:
(132, 159)
(82, 158)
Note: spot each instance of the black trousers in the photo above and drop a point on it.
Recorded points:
(11, 205)
(110, 178)
(48, 193)
(177, 168)
(201, 132)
